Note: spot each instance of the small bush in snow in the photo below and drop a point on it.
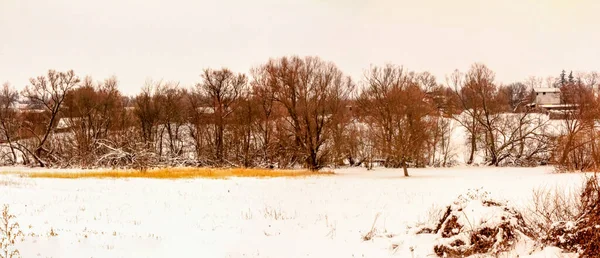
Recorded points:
(581, 235)
(550, 205)
(477, 224)
(9, 233)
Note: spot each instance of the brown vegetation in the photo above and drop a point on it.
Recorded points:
(582, 233)
(395, 107)
(295, 112)
(460, 235)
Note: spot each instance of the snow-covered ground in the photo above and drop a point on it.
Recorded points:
(247, 217)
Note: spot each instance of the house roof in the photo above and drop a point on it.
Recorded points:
(546, 89)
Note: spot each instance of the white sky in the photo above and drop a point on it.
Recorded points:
(174, 40)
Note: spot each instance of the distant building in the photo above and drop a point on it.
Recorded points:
(549, 99)
(547, 96)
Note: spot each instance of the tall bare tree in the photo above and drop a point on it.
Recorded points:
(48, 92)
(312, 92)
(91, 112)
(9, 119)
(221, 90)
(487, 114)
(267, 113)
(147, 111)
(470, 112)
(170, 100)
(244, 130)
(395, 106)
(199, 127)
(518, 96)
(479, 83)
(575, 148)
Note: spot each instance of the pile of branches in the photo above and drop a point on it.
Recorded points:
(476, 224)
(136, 156)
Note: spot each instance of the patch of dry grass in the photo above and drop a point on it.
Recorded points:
(178, 173)
(5, 182)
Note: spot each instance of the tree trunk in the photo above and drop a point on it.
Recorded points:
(313, 163)
(473, 148)
(405, 168)
(566, 150)
(219, 145)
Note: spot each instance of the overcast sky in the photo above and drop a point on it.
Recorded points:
(174, 40)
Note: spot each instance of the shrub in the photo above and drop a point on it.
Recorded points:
(9, 233)
(552, 204)
(582, 234)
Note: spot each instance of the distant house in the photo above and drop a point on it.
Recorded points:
(549, 99)
(547, 96)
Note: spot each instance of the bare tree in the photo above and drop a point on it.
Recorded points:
(518, 96)
(147, 111)
(470, 111)
(312, 92)
(479, 83)
(9, 120)
(221, 90)
(48, 92)
(396, 108)
(575, 149)
(440, 151)
(341, 141)
(267, 112)
(199, 127)
(173, 113)
(90, 114)
(244, 130)
(500, 116)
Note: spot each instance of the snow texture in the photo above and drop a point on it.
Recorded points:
(248, 217)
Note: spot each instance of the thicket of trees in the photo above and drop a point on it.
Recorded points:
(298, 112)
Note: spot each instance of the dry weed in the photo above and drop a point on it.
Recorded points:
(275, 214)
(371, 233)
(8, 182)
(552, 204)
(176, 173)
(9, 233)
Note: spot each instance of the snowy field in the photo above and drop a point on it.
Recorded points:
(246, 217)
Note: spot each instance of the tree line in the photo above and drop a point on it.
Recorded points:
(297, 112)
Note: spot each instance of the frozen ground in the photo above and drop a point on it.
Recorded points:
(245, 217)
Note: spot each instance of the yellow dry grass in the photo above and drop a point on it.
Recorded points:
(178, 173)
